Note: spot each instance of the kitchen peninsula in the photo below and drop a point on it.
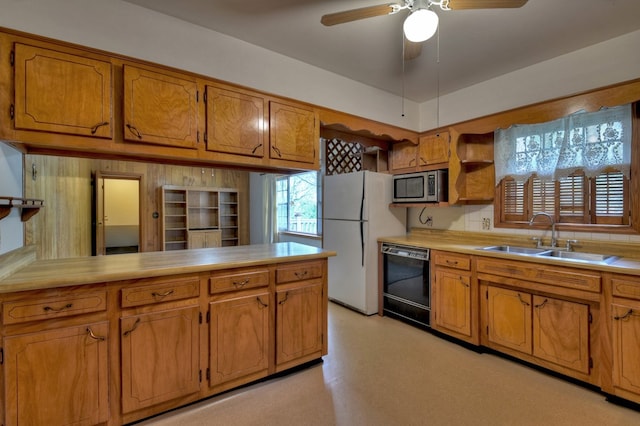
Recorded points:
(114, 339)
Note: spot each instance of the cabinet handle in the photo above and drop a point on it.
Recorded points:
(625, 316)
(277, 151)
(240, 284)
(424, 162)
(541, 304)
(301, 275)
(452, 262)
(264, 305)
(135, 131)
(50, 309)
(135, 325)
(93, 336)
(522, 301)
(413, 160)
(165, 294)
(286, 296)
(95, 128)
(256, 148)
(462, 282)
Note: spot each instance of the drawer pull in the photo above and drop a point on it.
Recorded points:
(301, 275)
(50, 309)
(625, 316)
(135, 325)
(541, 305)
(262, 304)
(286, 296)
(452, 262)
(93, 336)
(165, 294)
(240, 284)
(525, 303)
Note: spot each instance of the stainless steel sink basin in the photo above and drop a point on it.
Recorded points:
(517, 250)
(584, 257)
(554, 253)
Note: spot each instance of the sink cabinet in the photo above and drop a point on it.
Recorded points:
(528, 314)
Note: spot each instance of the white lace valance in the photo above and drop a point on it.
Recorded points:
(591, 142)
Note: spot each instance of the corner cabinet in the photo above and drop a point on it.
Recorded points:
(160, 108)
(60, 92)
(199, 217)
(471, 169)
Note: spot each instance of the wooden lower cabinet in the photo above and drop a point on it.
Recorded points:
(546, 328)
(454, 297)
(204, 239)
(160, 353)
(239, 333)
(57, 377)
(300, 323)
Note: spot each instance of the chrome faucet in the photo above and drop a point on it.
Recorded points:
(554, 241)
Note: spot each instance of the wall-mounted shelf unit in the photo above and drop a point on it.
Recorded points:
(471, 165)
(28, 206)
(199, 217)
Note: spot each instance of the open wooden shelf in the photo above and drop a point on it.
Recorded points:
(28, 206)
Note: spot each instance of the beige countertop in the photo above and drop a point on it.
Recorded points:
(89, 270)
(472, 243)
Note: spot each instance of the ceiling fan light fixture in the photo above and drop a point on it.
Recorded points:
(420, 25)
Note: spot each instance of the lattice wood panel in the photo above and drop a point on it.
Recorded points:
(342, 156)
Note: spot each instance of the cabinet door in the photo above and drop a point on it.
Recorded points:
(197, 239)
(57, 377)
(62, 93)
(561, 332)
(293, 134)
(239, 337)
(452, 304)
(160, 353)
(403, 156)
(626, 346)
(235, 122)
(509, 318)
(160, 108)
(433, 149)
(299, 321)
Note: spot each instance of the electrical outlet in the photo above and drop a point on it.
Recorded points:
(429, 221)
(486, 223)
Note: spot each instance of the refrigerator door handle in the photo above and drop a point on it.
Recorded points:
(362, 240)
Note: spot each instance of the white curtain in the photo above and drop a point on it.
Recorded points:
(270, 227)
(591, 142)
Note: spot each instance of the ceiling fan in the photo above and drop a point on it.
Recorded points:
(421, 23)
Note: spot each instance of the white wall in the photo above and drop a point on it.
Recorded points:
(11, 229)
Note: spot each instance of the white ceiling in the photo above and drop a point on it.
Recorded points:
(475, 45)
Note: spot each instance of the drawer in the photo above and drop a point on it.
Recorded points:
(451, 260)
(18, 311)
(239, 279)
(298, 271)
(541, 273)
(160, 291)
(626, 286)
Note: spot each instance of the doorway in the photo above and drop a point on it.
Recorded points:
(116, 213)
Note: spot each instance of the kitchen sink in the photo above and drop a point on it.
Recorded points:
(554, 253)
(585, 257)
(517, 250)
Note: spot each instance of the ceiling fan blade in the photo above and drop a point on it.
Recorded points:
(356, 14)
(411, 49)
(485, 4)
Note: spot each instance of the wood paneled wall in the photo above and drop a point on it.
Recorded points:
(63, 228)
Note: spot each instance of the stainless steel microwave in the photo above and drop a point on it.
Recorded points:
(422, 187)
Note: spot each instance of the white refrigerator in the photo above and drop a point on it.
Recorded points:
(356, 214)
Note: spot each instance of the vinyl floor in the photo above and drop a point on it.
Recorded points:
(380, 371)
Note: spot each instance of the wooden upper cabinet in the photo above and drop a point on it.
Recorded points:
(294, 133)
(403, 157)
(433, 149)
(160, 108)
(62, 93)
(235, 122)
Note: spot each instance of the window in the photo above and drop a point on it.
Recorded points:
(577, 169)
(298, 203)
